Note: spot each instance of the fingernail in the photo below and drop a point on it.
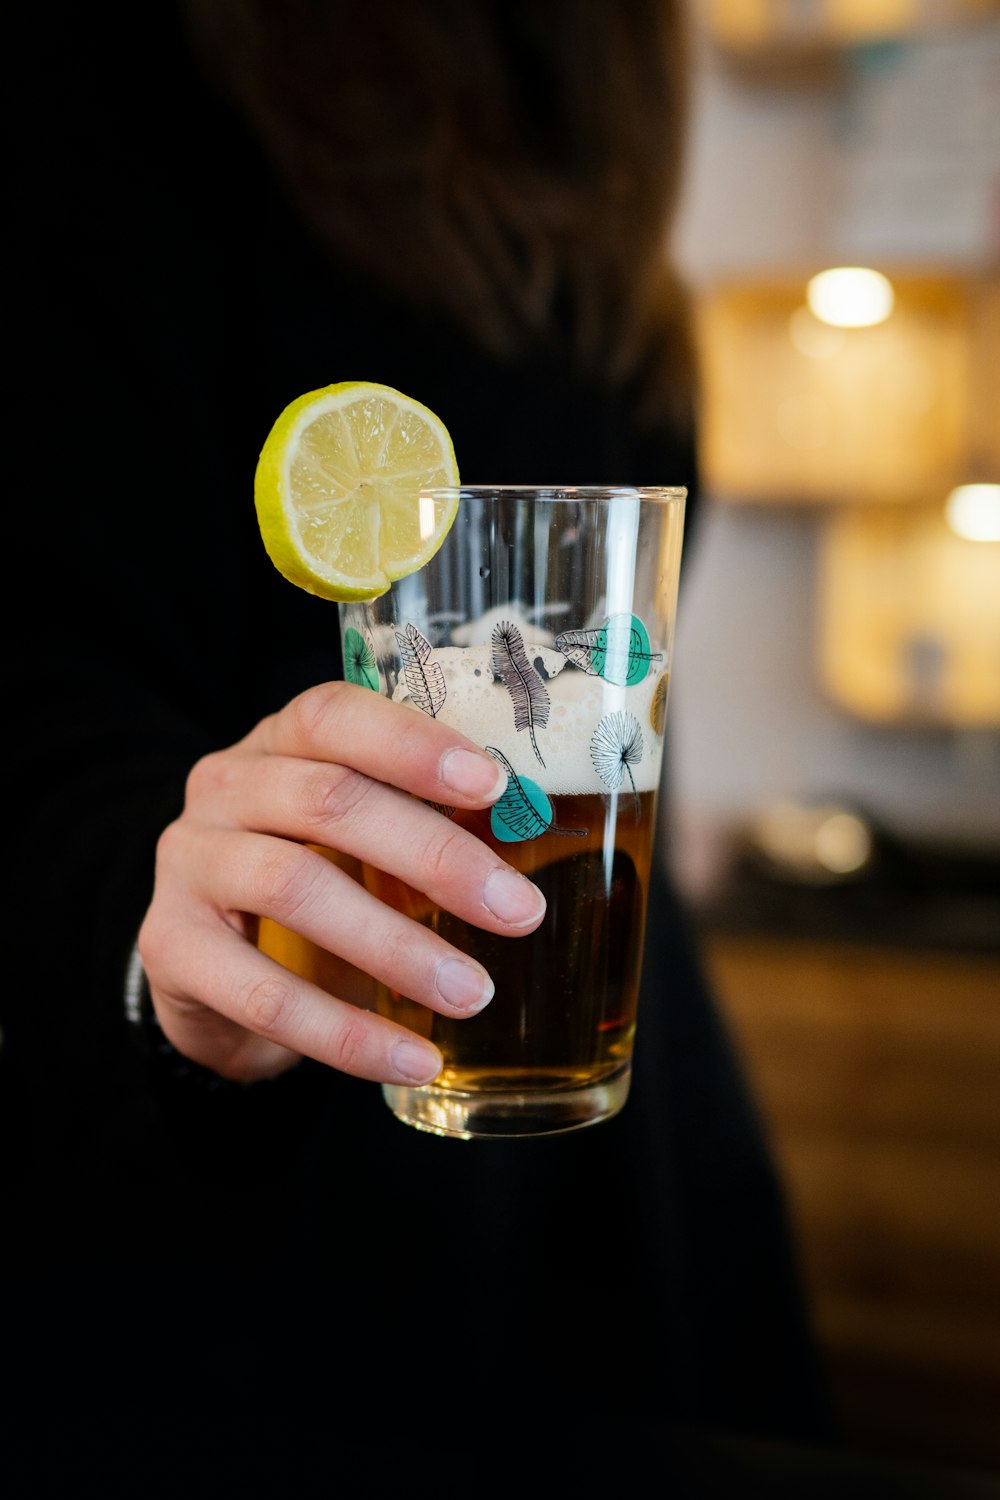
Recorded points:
(463, 985)
(512, 898)
(415, 1062)
(471, 774)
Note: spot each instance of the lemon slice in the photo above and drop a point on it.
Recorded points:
(337, 489)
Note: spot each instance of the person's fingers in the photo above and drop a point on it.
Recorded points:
(344, 769)
(296, 887)
(352, 726)
(215, 1042)
(318, 803)
(257, 1015)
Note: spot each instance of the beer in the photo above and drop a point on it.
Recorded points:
(564, 1010)
(578, 819)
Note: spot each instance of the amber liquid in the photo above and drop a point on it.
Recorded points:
(564, 1011)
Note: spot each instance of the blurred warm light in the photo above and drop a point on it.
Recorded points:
(812, 338)
(908, 618)
(797, 410)
(850, 297)
(973, 512)
(870, 18)
(760, 25)
(812, 843)
(803, 421)
(843, 844)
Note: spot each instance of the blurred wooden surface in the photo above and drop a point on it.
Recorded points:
(878, 1073)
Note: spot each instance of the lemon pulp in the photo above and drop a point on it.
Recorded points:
(338, 489)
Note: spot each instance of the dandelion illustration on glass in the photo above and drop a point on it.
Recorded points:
(523, 811)
(615, 747)
(619, 650)
(360, 666)
(527, 690)
(424, 678)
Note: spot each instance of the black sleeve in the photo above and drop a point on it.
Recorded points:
(133, 645)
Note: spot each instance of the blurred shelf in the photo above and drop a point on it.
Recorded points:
(760, 31)
(912, 896)
(795, 411)
(939, 921)
(909, 619)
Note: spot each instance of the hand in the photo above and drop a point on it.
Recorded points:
(336, 768)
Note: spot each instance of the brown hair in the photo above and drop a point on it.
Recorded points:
(510, 164)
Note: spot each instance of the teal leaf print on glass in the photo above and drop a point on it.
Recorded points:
(619, 650)
(360, 666)
(523, 811)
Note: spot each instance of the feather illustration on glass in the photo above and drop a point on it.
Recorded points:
(615, 747)
(619, 650)
(528, 692)
(424, 678)
(523, 811)
(360, 666)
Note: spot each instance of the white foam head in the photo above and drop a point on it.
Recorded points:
(580, 735)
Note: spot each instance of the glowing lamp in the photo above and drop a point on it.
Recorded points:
(850, 297)
(973, 512)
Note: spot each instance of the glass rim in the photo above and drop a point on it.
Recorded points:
(557, 492)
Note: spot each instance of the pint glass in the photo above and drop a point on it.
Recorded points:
(543, 630)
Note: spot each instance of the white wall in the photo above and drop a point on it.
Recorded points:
(750, 721)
